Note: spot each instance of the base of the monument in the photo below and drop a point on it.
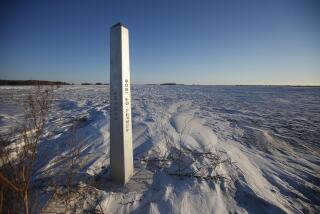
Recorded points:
(120, 178)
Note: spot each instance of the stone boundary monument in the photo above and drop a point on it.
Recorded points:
(121, 154)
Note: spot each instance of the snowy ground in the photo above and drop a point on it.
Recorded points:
(269, 135)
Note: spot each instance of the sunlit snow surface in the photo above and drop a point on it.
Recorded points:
(271, 135)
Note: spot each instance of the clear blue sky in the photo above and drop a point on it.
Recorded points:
(202, 42)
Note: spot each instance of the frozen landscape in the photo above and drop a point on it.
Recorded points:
(197, 149)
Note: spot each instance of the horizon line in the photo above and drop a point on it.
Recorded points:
(163, 83)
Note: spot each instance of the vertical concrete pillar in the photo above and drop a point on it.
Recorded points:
(121, 154)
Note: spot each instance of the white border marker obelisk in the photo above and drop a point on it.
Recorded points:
(121, 154)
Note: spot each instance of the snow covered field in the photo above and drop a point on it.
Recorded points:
(265, 141)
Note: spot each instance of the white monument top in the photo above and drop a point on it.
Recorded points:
(118, 24)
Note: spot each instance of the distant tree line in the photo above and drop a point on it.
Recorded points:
(98, 83)
(31, 82)
(42, 82)
(169, 83)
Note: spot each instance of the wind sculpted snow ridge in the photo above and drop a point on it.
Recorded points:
(270, 135)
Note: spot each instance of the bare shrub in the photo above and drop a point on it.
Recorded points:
(18, 151)
(59, 188)
(62, 187)
(187, 163)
